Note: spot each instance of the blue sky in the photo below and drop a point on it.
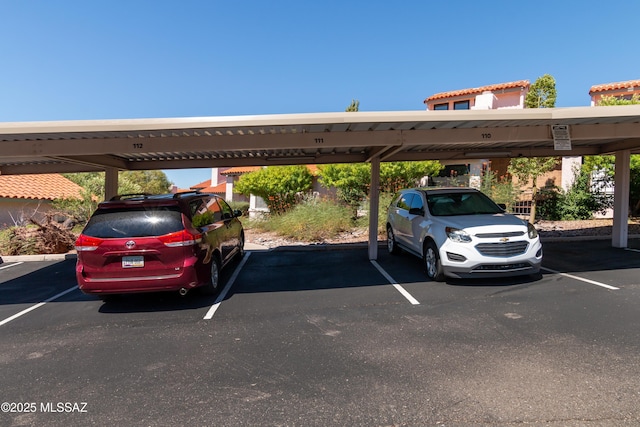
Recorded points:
(77, 60)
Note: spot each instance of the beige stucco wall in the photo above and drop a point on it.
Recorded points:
(20, 210)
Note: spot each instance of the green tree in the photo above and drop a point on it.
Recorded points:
(582, 200)
(354, 106)
(529, 170)
(612, 100)
(92, 183)
(152, 181)
(542, 93)
(398, 175)
(353, 181)
(605, 165)
(277, 185)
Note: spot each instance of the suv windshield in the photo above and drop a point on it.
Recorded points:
(460, 203)
(131, 222)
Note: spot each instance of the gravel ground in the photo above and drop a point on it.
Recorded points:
(594, 227)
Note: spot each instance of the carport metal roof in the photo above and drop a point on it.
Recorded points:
(174, 143)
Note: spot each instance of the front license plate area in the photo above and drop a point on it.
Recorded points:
(132, 261)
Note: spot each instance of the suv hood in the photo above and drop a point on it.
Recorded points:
(505, 221)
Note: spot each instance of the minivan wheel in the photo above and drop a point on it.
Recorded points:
(432, 264)
(213, 286)
(241, 247)
(392, 246)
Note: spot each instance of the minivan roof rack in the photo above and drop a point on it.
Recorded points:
(129, 196)
(186, 193)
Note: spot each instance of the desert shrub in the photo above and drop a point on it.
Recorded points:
(383, 209)
(312, 219)
(500, 189)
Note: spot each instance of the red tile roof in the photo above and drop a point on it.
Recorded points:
(203, 184)
(240, 170)
(313, 169)
(47, 186)
(476, 90)
(615, 86)
(218, 189)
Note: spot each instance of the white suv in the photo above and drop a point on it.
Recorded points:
(461, 233)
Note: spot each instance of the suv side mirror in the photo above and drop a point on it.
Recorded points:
(237, 213)
(416, 211)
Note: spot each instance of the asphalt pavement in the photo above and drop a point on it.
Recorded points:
(325, 337)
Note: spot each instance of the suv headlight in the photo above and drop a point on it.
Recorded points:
(457, 235)
(531, 230)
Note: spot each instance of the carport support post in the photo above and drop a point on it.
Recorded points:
(620, 231)
(110, 183)
(374, 207)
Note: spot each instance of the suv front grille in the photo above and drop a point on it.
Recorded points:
(503, 267)
(506, 249)
(499, 235)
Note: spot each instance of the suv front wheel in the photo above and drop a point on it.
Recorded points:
(432, 264)
(392, 246)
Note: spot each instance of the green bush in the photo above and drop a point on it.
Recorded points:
(240, 206)
(550, 201)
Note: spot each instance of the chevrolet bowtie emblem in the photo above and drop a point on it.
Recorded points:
(504, 239)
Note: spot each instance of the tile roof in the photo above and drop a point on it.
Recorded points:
(218, 189)
(47, 186)
(615, 86)
(240, 170)
(476, 90)
(203, 184)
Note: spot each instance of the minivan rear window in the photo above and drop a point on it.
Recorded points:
(123, 223)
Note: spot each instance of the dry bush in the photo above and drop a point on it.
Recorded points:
(46, 237)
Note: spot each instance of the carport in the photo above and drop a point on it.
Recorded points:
(321, 138)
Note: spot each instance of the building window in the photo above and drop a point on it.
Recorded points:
(461, 105)
(441, 106)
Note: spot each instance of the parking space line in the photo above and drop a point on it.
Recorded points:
(224, 292)
(11, 265)
(33, 307)
(395, 284)
(582, 279)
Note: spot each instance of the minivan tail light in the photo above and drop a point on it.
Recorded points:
(87, 243)
(180, 238)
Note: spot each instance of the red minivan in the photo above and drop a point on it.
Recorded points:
(149, 243)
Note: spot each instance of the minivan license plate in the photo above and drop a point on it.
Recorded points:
(132, 261)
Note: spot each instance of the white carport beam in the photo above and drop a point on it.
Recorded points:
(110, 183)
(620, 231)
(374, 207)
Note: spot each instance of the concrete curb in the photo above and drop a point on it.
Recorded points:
(43, 257)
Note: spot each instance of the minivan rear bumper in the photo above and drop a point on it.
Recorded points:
(186, 278)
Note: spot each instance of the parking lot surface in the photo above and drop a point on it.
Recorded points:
(326, 337)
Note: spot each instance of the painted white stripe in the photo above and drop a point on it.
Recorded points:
(582, 279)
(12, 265)
(33, 307)
(395, 284)
(224, 292)
(632, 250)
